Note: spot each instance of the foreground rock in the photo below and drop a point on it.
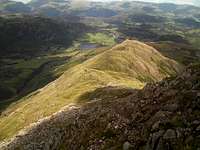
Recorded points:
(162, 116)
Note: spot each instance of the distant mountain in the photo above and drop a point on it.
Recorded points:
(27, 35)
(14, 7)
(55, 8)
(192, 2)
(189, 2)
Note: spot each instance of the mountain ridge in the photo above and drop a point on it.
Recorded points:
(116, 69)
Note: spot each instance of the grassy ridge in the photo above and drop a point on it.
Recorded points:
(124, 65)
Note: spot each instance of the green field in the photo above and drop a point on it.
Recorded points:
(100, 38)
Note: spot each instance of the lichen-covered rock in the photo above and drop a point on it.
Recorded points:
(169, 135)
(127, 146)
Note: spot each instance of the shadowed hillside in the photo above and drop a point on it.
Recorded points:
(23, 35)
(27, 42)
(130, 64)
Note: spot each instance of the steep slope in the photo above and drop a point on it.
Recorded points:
(137, 60)
(129, 64)
(162, 116)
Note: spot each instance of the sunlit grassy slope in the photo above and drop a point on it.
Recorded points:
(39, 71)
(130, 64)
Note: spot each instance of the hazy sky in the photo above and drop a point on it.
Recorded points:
(172, 1)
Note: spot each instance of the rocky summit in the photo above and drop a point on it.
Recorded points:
(163, 116)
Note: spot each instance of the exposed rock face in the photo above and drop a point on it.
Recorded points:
(162, 116)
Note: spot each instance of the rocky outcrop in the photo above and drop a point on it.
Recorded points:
(162, 116)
